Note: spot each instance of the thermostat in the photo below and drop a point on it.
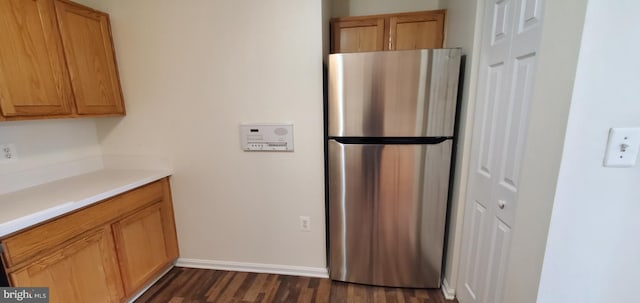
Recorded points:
(266, 137)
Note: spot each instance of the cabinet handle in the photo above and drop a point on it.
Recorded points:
(502, 204)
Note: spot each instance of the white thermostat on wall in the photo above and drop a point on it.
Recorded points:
(266, 137)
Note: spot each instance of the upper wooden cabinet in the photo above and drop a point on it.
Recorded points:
(86, 36)
(402, 31)
(56, 60)
(34, 80)
(416, 31)
(358, 34)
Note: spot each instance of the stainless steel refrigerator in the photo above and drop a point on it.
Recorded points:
(390, 129)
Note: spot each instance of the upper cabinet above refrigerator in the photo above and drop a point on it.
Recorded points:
(56, 61)
(402, 31)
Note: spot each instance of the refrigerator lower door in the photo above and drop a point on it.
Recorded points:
(387, 209)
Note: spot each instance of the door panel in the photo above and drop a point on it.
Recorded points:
(474, 269)
(516, 120)
(416, 35)
(501, 21)
(387, 207)
(416, 31)
(34, 80)
(488, 126)
(498, 250)
(511, 37)
(485, 170)
(399, 93)
(361, 35)
(94, 77)
(145, 232)
(82, 271)
(530, 15)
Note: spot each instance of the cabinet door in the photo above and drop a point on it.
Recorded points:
(86, 270)
(416, 31)
(33, 77)
(146, 245)
(357, 35)
(86, 36)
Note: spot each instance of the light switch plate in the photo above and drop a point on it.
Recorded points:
(622, 147)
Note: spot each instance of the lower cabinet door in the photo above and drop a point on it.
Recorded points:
(84, 271)
(143, 249)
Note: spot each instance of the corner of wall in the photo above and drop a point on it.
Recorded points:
(326, 16)
(448, 292)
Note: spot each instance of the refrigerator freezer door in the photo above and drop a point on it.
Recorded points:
(387, 208)
(393, 93)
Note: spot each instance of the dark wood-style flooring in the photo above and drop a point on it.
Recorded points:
(190, 285)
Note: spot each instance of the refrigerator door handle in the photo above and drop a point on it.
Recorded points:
(391, 140)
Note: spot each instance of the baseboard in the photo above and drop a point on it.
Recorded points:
(315, 272)
(142, 291)
(447, 291)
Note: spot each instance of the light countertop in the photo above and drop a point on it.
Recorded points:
(33, 205)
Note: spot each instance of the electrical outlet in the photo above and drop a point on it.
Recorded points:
(8, 152)
(305, 223)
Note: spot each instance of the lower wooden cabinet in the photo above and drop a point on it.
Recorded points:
(84, 270)
(106, 252)
(143, 248)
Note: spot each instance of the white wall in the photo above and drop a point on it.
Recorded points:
(42, 144)
(192, 71)
(326, 17)
(593, 248)
(342, 8)
(463, 24)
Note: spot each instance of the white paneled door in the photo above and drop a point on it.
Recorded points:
(508, 54)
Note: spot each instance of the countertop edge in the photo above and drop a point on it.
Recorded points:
(27, 221)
